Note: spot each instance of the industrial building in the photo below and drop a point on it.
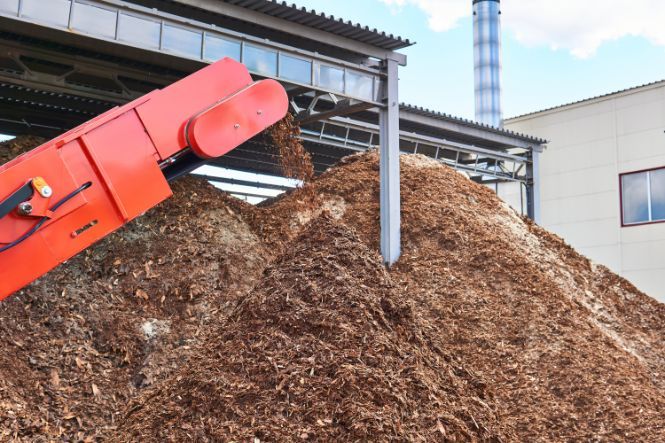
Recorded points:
(139, 304)
(603, 180)
(65, 61)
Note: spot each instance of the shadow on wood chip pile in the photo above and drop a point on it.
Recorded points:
(210, 320)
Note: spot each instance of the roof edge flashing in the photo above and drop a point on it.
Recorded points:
(290, 19)
(417, 110)
(588, 101)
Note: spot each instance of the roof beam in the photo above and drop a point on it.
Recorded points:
(238, 182)
(470, 131)
(342, 107)
(247, 194)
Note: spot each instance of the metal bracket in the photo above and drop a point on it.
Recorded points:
(16, 198)
(340, 107)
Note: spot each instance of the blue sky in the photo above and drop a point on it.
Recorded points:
(549, 57)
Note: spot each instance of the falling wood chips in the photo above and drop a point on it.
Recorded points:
(284, 326)
(293, 159)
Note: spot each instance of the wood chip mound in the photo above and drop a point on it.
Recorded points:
(86, 338)
(324, 348)
(13, 148)
(210, 320)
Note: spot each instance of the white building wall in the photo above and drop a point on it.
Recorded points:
(590, 144)
(513, 194)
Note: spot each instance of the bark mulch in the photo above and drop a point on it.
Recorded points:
(83, 340)
(325, 348)
(210, 320)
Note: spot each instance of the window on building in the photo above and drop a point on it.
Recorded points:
(331, 78)
(216, 48)
(9, 6)
(643, 197)
(94, 20)
(139, 30)
(260, 60)
(358, 85)
(55, 11)
(295, 69)
(182, 41)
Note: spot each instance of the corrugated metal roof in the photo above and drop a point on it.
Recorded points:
(324, 22)
(584, 100)
(471, 123)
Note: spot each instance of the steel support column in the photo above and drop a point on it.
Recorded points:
(533, 186)
(389, 168)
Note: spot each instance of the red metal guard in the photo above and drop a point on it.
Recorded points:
(107, 171)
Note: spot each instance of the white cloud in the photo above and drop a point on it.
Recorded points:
(443, 14)
(578, 26)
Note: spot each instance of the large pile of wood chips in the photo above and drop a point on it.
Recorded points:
(212, 320)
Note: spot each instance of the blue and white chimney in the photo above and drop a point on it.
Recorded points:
(487, 61)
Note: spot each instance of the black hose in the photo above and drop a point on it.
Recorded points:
(44, 219)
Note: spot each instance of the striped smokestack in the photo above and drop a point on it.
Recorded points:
(487, 61)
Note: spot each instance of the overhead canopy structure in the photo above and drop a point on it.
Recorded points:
(63, 62)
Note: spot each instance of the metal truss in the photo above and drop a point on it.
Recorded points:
(57, 75)
(481, 163)
(340, 106)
